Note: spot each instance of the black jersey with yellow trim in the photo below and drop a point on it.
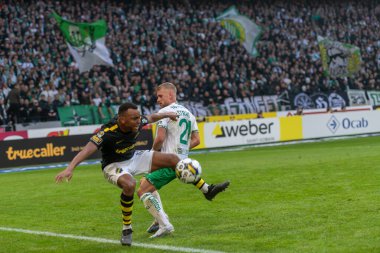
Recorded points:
(115, 145)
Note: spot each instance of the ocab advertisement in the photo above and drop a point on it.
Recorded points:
(339, 124)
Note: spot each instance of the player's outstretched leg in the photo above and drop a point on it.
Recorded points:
(210, 191)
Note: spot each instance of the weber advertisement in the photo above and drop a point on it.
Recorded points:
(27, 152)
(242, 132)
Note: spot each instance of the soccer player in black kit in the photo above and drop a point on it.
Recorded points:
(120, 161)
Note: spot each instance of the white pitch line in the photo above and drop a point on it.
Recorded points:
(103, 240)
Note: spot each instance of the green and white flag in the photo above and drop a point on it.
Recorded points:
(85, 42)
(339, 59)
(242, 28)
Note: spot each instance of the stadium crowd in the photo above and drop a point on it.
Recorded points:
(180, 42)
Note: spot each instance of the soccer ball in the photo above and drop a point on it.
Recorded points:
(188, 170)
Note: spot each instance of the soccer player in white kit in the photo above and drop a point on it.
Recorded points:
(172, 137)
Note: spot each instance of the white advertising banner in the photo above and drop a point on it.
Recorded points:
(340, 123)
(241, 132)
(62, 131)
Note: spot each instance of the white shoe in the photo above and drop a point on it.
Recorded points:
(162, 231)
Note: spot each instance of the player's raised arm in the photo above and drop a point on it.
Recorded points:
(159, 139)
(157, 116)
(86, 152)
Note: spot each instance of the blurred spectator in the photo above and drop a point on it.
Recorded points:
(45, 108)
(56, 103)
(299, 111)
(52, 115)
(25, 108)
(180, 41)
(214, 107)
(74, 99)
(3, 113)
(206, 99)
(14, 103)
(97, 99)
(35, 111)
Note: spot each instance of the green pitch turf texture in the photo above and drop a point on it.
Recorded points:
(309, 197)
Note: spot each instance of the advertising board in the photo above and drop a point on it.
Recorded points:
(242, 132)
(53, 150)
(341, 123)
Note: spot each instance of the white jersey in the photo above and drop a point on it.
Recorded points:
(178, 133)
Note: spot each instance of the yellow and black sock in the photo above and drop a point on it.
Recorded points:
(126, 209)
(201, 185)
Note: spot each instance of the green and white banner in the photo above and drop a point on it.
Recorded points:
(339, 59)
(242, 28)
(86, 42)
(374, 97)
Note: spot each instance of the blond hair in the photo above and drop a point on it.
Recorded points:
(168, 86)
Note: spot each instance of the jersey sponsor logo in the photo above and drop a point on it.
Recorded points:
(96, 139)
(124, 150)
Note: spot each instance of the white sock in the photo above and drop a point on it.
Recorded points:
(204, 188)
(154, 207)
(127, 227)
(157, 195)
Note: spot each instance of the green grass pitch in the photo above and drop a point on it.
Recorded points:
(308, 197)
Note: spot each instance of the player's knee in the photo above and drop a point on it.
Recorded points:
(128, 185)
(145, 187)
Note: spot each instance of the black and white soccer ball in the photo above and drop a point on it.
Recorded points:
(188, 170)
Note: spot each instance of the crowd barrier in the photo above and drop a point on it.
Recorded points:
(41, 146)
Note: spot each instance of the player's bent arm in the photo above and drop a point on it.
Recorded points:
(158, 116)
(195, 139)
(160, 138)
(86, 152)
